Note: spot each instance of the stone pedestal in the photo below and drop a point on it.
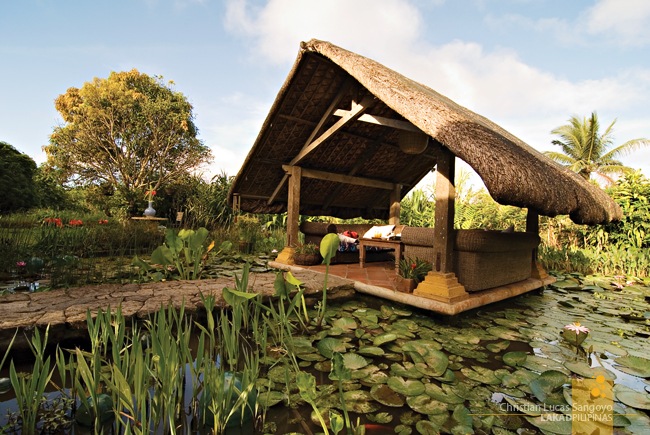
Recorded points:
(443, 287)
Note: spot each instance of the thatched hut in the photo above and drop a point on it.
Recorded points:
(348, 137)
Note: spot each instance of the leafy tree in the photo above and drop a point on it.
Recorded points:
(16, 179)
(129, 131)
(586, 151)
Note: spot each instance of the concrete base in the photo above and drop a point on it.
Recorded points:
(474, 299)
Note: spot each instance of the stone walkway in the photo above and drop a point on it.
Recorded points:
(64, 310)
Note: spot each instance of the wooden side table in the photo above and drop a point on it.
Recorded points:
(380, 243)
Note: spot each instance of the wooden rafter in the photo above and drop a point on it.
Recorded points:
(345, 179)
(335, 101)
(380, 120)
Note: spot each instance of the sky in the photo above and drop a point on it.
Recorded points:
(528, 65)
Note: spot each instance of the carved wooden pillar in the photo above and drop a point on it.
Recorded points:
(393, 216)
(293, 215)
(441, 283)
(532, 226)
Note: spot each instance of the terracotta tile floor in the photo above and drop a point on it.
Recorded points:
(380, 274)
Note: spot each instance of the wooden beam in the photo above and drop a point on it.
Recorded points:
(380, 120)
(356, 111)
(335, 101)
(393, 214)
(293, 206)
(441, 283)
(340, 178)
(443, 245)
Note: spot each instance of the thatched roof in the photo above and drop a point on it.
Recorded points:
(350, 172)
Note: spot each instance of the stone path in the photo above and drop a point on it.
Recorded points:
(64, 310)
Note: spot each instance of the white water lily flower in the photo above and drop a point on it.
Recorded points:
(577, 328)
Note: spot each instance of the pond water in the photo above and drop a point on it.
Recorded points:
(502, 369)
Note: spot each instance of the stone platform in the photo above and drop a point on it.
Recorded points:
(64, 310)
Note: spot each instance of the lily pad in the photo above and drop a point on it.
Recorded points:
(347, 324)
(481, 374)
(498, 346)
(426, 405)
(447, 396)
(370, 351)
(632, 398)
(515, 359)
(270, 398)
(408, 370)
(384, 338)
(352, 361)
(547, 388)
(327, 346)
(586, 371)
(634, 365)
(360, 401)
(554, 423)
(407, 387)
(387, 396)
(539, 364)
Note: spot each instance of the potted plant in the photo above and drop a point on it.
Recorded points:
(307, 254)
(248, 228)
(411, 273)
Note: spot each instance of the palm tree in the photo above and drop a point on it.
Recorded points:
(587, 152)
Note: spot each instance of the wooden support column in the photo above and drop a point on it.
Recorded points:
(293, 215)
(441, 283)
(393, 214)
(532, 226)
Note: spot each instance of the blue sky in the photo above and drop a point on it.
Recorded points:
(527, 65)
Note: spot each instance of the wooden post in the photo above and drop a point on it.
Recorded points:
(441, 283)
(532, 226)
(393, 214)
(293, 215)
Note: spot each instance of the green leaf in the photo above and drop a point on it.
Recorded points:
(515, 359)
(328, 247)
(634, 365)
(328, 345)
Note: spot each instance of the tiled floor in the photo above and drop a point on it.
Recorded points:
(380, 274)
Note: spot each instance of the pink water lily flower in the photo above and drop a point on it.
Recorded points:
(577, 328)
(21, 264)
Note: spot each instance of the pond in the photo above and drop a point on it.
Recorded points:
(511, 367)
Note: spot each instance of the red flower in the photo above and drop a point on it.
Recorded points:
(102, 221)
(413, 266)
(75, 222)
(53, 221)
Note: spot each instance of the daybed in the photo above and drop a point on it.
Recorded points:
(314, 232)
(482, 259)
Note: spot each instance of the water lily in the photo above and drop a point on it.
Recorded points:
(575, 333)
(21, 264)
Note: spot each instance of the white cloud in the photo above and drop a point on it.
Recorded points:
(623, 21)
(525, 100)
(281, 24)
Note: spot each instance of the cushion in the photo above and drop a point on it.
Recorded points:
(379, 231)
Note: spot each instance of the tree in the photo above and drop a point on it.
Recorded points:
(129, 131)
(586, 151)
(16, 179)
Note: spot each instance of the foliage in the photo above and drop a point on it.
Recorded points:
(182, 256)
(307, 248)
(16, 179)
(129, 130)
(249, 227)
(632, 193)
(414, 269)
(586, 151)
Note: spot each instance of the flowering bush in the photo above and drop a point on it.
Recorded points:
(414, 269)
